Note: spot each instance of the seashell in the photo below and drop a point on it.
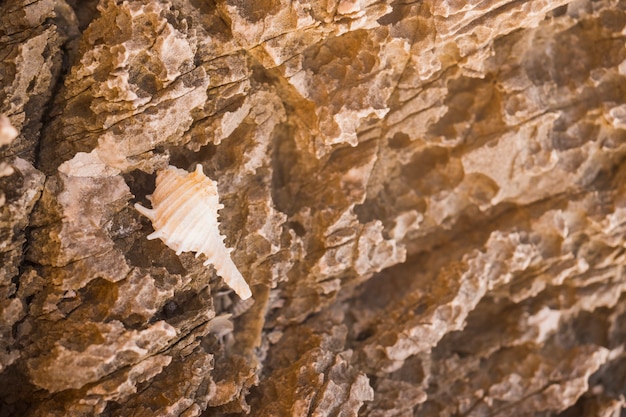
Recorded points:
(184, 217)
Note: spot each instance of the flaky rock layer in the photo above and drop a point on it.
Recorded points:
(427, 199)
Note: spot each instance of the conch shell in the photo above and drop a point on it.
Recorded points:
(184, 217)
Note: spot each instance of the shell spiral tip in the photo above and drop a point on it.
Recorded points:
(244, 293)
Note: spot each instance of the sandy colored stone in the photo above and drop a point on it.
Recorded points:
(426, 199)
(70, 365)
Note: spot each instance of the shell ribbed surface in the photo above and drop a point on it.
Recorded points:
(184, 216)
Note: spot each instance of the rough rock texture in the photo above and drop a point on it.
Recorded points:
(428, 200)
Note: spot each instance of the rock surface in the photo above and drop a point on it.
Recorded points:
(428, 200)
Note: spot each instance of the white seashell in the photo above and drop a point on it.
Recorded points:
(184, 217)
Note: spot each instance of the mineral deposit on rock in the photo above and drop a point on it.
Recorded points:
(427, 199)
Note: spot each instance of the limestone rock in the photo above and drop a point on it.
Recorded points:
(426, 198)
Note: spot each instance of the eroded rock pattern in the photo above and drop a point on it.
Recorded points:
(427, 199)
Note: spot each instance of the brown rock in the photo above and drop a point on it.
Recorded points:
(426, 199)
